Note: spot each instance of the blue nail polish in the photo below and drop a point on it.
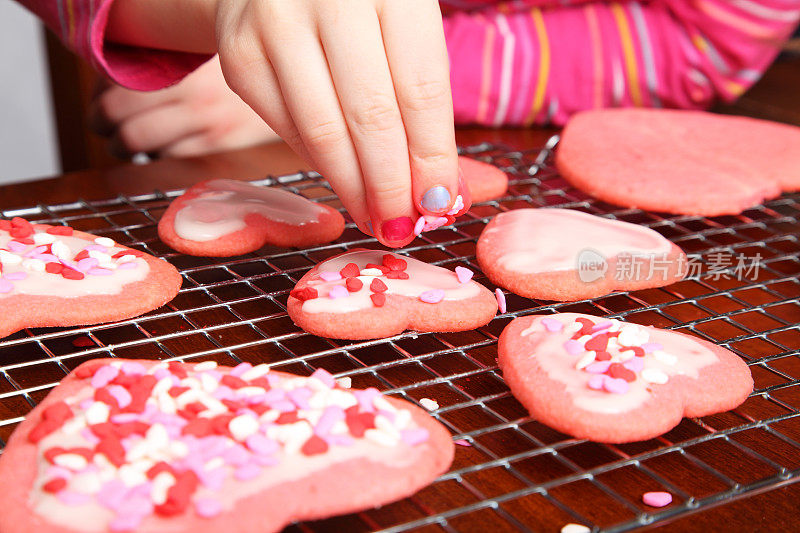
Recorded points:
(436, 199)
(369, 228)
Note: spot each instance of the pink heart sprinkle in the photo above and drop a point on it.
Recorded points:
(99, 272)
(599, 367)
(16, 247)
(327, 275)
(458, 205)
(573, 347)
(595, 382)
(552, 325)
(419, 226)
(433, 296)
(87, 264)
(207, 507)
(602, 326)
(634, 365)
(501, 300)
(657, 499)
(16, 276)
(650, 347)
(463, 274)
(615, 385)
(338, 291)
(412, 437)
(433, 223)
(462, 442)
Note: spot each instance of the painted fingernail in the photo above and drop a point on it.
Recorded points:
(397, 229)
(436, 199)
(368, 227)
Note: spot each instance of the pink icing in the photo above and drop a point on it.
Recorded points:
(566, 360)
(532, 241)
(23, 267)
(423, 278)
(221, 209)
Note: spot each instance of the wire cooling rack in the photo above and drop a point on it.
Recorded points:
(515, 473)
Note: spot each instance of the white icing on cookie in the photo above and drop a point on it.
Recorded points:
(422, 278)
(221, 209)
(572, 367)
(24, 266)
(533, 241)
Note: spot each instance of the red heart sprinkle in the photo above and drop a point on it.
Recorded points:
(617, 370)
(68, 273)
(308, 293)
(396, 274)
(60, 230)
(602, 356)
(598, 343)
(394, 263)
(354, 284)
(315, 445)
(55, 485)
(350, 270)
(53, 268)
(378, 299)
(378, 285)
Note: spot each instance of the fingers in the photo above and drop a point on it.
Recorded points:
(417, 54)
(352, 41)
(307, 87)
(251, 76)
(116, 104)
(154, 130)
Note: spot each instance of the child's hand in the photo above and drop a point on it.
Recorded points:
(360, 88)
(197, 116)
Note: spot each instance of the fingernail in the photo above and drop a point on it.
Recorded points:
(370, 231)
(397, 229)
(436, 199)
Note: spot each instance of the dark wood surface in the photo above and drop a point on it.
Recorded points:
(773, 509)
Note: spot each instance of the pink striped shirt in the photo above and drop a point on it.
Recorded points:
(523, 62)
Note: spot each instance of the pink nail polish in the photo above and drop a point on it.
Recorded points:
(397, 229)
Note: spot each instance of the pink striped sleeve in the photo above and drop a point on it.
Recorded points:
(81, 25)
(541, 64)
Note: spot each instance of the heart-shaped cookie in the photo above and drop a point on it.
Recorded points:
(612, 381)
(679, 161)
(221, 218)
(484, 181)
(123, 445)
(562, 254)
(368, 294)
(55, 276)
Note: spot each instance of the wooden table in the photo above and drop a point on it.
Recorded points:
(735, 470)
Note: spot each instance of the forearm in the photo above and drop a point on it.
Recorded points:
(179, 25)
(542, 65)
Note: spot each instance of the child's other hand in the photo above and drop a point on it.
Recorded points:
(361, 89)
(197, 116)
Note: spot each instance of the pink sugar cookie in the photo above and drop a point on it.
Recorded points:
(221, 218)
(249, 450)
(652, 379)
(387, 294)
(56, 276)
(682, 162)
(484, 181)
(564, 255)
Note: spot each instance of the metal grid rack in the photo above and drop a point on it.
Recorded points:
(516, 474)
